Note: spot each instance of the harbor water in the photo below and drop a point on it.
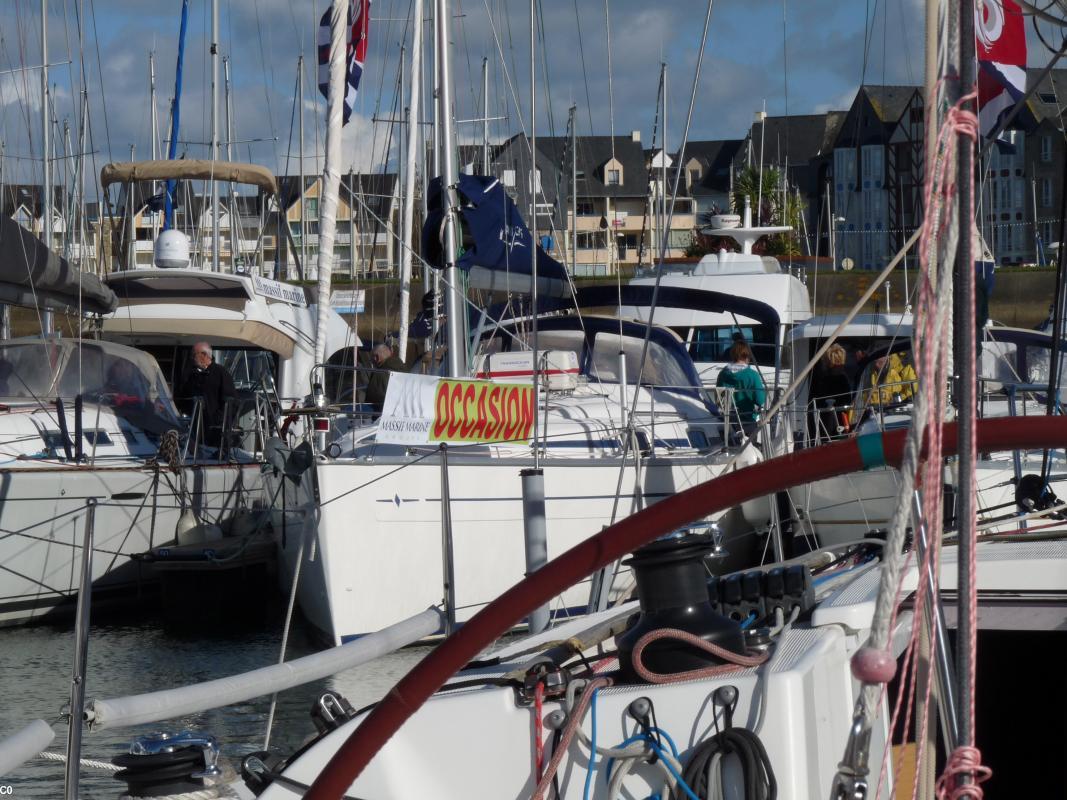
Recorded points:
(142, 656)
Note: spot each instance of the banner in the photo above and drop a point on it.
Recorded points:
(425, 409)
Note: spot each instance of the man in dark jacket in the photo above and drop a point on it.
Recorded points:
(210, 381)
(384, 361)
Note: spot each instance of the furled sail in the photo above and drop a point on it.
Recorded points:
(497, 247)
(32, 275)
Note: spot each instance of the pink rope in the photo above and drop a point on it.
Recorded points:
(734, 660)
(573, 721)
(963, 761)
(539, 739)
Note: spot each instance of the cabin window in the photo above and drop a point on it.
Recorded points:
(713, 342)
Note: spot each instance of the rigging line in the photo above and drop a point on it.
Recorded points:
(585, 74)
(663, 251)
(100, 72)
(544, 71)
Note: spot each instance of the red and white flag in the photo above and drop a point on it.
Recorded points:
(1000, 44)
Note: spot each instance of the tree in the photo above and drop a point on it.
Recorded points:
(766, 190)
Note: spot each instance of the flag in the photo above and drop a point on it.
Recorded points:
(355, 52)
(1000, 45)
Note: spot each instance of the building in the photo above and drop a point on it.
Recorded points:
(595, 200)
(877, 149)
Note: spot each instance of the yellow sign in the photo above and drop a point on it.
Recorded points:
(481, 411)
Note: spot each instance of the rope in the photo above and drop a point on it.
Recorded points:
(734, 660)
(573, 721)
(199, 794)
(85, 762)
(539, 740)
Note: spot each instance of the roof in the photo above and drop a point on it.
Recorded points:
(795, 139)
(889, 102)
(715, 157)
(14, 195)
(1050, 97)
(374, 192)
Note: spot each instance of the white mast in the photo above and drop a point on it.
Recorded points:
(215, 131)
(231, 200)
(155, 130)
(485, 115)
(46, 150)
(331, 175)
(406, 243)
(303, 225)
(455, 305)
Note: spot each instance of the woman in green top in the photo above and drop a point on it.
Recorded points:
(749, 394)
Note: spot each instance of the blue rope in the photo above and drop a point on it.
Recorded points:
(647, 738)
(592, 748)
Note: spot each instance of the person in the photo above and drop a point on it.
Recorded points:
(749, 394)
(211, 382)
(830, 388)
(892, 380)
(125, 384)
(384, 361)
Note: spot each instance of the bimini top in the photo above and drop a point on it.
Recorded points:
(184, 169)
(32, 275)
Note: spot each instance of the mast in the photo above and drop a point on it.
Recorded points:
(175, 117)
(155, 127)
(331, 175)
(455, 306)
(46, 150)
(534, 186)
(300, 102)
(574, 188)
(231, 201)
(485, 115)
(663, 166)
(215, 131)
(5, 310)
(406, 243)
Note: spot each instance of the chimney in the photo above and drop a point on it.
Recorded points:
(635, 136)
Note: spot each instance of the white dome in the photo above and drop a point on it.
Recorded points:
(172, 249)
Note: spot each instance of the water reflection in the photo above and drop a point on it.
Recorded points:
(35, 666)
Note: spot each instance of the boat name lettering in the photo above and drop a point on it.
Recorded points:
(294, 295)
(481, 411)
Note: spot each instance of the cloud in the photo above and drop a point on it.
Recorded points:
(816, 58)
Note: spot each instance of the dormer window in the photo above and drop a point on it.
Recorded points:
(694, 176)
(612, 172)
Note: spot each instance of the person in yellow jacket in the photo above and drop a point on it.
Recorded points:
(892, 380)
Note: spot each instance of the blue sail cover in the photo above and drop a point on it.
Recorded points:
(496, 245)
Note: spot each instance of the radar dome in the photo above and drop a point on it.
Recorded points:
(172, 249)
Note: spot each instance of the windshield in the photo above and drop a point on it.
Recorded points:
(713, 342)
(251, 369)
(120, 377)
(603, 363)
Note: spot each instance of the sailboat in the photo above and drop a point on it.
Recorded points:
(578, 421)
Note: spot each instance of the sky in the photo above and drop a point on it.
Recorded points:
(603, 56)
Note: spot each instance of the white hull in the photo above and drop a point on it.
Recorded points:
(42, 519)
(377, 555)
(846, 508)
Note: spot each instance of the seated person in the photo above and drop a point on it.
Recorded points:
(384, 361)
(892, 380)
(125, 385)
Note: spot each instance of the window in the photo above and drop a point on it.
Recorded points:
(585, 209)
(694, 176)
(590, 241)
(509, 177)
(1047, 97)
(1046, 192)
(535, 182)
(1046, 148)
(614, 177)
(312, 205)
